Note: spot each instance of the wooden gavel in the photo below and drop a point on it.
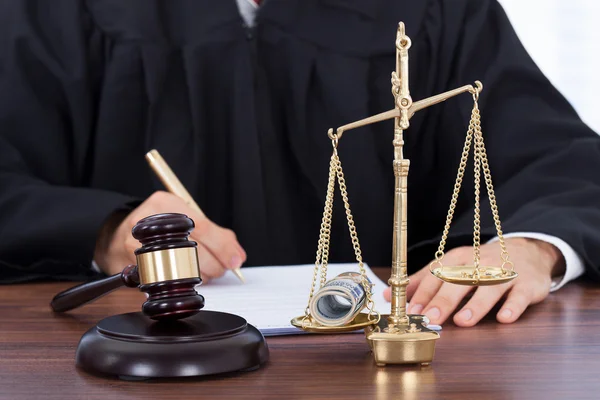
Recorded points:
(167, 270)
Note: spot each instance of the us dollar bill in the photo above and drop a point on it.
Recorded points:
(339, 300)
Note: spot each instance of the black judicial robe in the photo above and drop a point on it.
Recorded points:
(241, 115)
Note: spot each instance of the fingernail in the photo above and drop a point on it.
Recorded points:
(433, 314)
(416, 309)
(506, 313)
(465, 315)
(236, 262)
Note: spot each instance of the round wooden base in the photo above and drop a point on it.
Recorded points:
(133, 346)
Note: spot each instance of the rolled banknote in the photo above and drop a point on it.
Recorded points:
(339, 300)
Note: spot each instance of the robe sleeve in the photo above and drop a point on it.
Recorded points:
(49, 220)
(545, 162)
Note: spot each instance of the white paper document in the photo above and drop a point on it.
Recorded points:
(272, 296)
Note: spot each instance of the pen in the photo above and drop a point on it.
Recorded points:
(174, 185)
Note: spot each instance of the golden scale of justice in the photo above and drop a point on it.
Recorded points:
(399, 338)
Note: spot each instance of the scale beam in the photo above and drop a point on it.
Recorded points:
(414, 108)
(430, 101)
(395, 113)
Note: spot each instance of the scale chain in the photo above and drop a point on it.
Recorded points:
(490, 189)
(323, 245)
(475, 137)
(335, 171)
(370, 305)
(477, 208)
(439, 255)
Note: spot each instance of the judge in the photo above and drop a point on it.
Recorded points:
(238, 99)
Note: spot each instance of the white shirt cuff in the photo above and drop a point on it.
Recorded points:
(574, 266)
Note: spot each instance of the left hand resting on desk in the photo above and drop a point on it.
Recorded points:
(535, 261)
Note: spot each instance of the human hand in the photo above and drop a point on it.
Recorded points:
(218, 248)
(535, 261)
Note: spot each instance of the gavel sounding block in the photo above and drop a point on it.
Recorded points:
(133, 346)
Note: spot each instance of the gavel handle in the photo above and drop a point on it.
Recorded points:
(87, 292)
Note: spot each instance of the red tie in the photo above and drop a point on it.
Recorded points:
(257, 2)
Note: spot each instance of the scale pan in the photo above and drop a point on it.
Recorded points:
(359, 322)
(463, 275)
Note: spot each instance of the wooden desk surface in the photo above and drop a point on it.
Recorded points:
(553, 352)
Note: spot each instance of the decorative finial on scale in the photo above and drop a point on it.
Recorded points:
(400, 76)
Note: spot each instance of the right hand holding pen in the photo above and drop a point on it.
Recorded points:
(218, 248)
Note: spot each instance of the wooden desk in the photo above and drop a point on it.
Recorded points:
(553, 352)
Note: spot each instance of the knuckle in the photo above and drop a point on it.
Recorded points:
(130, 245)
(155, 197)
(421, 296)
(421, 274)
(458, 255)
(426, 290)
(159, 197)
(230, 235)
(201, 228)
(478, 306)
(521, 292)
(130, 222)
(214, 271)
(444, 301)
(521, 298)
(541, 291)
(209, 267)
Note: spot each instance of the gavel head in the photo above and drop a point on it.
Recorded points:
(168, 266)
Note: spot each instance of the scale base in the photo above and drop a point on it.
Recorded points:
(134, 347)
(404, 344)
